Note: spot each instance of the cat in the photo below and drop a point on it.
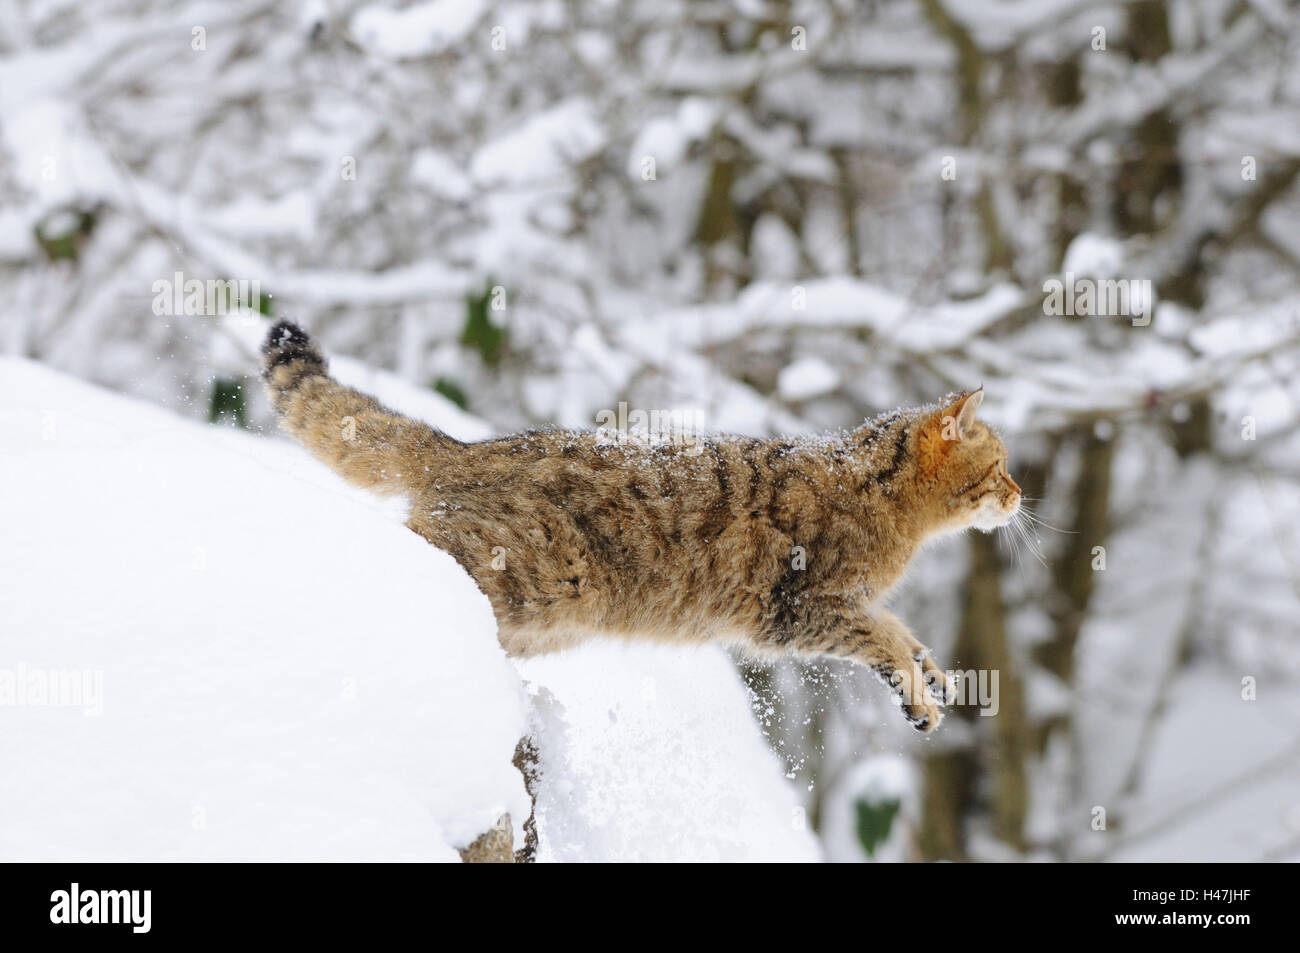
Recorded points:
(773, 545)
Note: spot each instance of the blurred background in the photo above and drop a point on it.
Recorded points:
(782, 217)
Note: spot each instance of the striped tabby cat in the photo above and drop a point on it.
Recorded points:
(774, 545)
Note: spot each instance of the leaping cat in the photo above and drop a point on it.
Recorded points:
(776, 545)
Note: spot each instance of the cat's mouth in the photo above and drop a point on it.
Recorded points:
(993, 514)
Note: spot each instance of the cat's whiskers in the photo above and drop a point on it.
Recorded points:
(1014, 541)
(1037, 520)
(1022, 526)
(1011, 538)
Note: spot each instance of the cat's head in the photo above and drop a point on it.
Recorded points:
(962, 468)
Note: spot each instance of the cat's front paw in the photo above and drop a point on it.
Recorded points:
(925, 716)
(937, 682)
(919, 702)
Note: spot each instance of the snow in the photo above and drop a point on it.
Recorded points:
(996, 25)
(806, 378)
(292, 214)
(827, 303)
(619, 721)
(276, 669)
(58, 162)
(667, 138)
(279, 665)
(875, 779)
(1235, 802)
(1094, 256)
(441, 175)
(542, 149)
(419, 281)
(420, 30)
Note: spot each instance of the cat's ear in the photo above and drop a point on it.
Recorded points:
(947, 426)
(955, 421)
(966, 408)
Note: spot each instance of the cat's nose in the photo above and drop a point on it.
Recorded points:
(1015, 487)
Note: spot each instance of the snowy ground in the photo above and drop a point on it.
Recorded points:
(212, 649)
(651, 753)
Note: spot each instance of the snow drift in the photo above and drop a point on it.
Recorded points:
(212, 649)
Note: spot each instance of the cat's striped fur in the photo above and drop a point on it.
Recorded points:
(778, 545)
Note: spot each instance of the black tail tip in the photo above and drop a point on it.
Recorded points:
(286, 343)
(285, 334)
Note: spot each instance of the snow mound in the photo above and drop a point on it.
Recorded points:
(284, 674)
(213, 649)
(643, 752)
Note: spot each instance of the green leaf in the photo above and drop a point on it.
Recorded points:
(63, 231)
(227, 402)
(875, 818)
(264, 304)
(452, 391)
(480, 333)
(256, 299)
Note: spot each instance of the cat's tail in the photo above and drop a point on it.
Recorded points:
(358, 437)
